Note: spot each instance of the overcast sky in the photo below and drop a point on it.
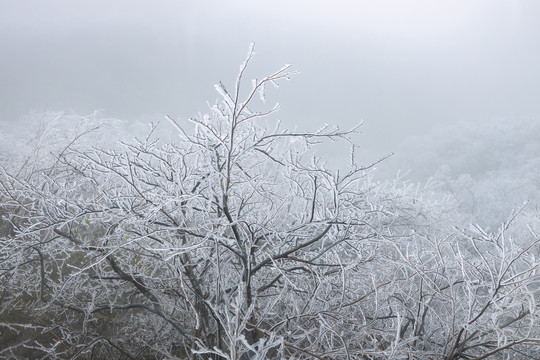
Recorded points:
(405, 67)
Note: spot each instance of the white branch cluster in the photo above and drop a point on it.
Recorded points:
(233, 242)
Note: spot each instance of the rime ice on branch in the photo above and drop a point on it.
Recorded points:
(234, 242)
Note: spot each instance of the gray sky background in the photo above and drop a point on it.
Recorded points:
(405, 67)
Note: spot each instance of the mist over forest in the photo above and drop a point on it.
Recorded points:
(163, 195)
(490, 167)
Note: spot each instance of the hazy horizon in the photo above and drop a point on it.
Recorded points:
(405, 68)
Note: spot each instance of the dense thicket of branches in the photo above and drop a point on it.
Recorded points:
(234, 242)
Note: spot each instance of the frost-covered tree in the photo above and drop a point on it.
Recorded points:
(236, 242)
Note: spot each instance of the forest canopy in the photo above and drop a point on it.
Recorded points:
(234, 240)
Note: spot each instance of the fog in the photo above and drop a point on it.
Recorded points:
(236, 240)
(408, 69)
